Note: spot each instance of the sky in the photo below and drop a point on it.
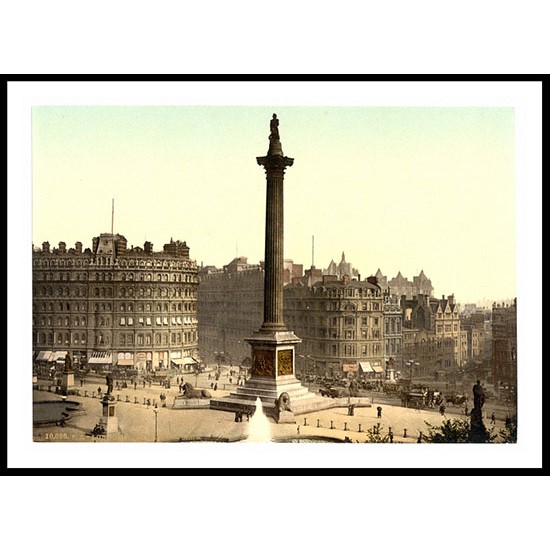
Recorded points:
(396, 188)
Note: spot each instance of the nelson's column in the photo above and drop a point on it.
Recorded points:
(273, 353)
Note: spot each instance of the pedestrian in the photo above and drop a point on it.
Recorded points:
(493, 419)
(379, 411)
(212, 385)
(442, 409)
(81, 382)
(298, 430)
(135, 386)
(99, 390)
(390, 435)
(215, 386)
(419, 440)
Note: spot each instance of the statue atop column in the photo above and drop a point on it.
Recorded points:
(274, 128)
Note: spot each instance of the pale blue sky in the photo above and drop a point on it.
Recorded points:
(396, 188)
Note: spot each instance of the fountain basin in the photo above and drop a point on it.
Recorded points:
(53, 412)
(307, 439)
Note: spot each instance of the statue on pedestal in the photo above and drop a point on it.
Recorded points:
(478, 432)
(109, 382)
(68, 363)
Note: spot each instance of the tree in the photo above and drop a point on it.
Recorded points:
(510, 433)
(374, 435)
(453, 430)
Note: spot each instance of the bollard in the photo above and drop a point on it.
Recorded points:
(305, 421)
(93, 394)
(318, 425)
(404, 432)
(127, 399)
(85, 393)
(136, 400)
(360, 430)
(118, 397)
(145, 401)
(345, 426)
(331, 425)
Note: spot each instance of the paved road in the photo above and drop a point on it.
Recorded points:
(137, 421)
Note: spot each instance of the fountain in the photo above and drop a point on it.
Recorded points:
(259, 430)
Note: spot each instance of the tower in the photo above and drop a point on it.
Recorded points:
(273, 345)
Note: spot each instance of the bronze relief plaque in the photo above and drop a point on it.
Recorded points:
(263, 363)
(284, 362)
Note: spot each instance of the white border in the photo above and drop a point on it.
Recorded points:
(525, 97)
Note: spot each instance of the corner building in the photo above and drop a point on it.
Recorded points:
(341, 324)
(111, 306)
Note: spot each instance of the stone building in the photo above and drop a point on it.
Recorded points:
(114, 306)
(477, 328)
(341, 324)
(292, 271)
(393, 332)
(431, 333)
(340, 321)
(230, 308)
(401, 286)
(342, 269)
(504, 356)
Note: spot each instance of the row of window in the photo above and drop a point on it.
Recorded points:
(107, 306)
(75, 338)
(159, 321)
(57, 263)
(350, 350)
(369, 305)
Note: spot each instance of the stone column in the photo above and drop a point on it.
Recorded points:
(275, 164)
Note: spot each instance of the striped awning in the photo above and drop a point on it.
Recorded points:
(366, 367)
(101, 358)
(45, 356)
(184, 361)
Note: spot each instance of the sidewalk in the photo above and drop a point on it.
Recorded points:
(137, 421)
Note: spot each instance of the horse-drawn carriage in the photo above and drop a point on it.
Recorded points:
(455, 398)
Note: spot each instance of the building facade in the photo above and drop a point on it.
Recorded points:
(401, 286)
(504, 356)
(393, 332)
(339, 320)
(341, 324)
(432, 337)
(111, 306)
(230, 309)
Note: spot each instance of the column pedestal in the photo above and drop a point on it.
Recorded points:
(67, 382)
(109, 420)
(272, 373)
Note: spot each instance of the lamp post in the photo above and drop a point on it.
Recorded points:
(156, 411)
